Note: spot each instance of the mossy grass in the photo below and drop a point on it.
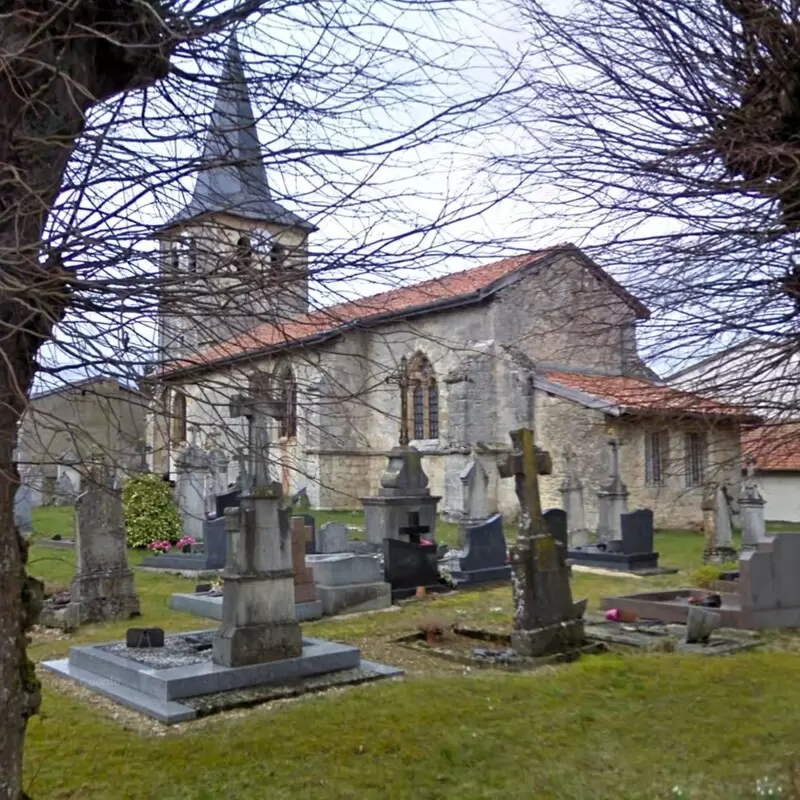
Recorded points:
(627, 727)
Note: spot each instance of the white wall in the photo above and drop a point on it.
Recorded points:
(781, 490)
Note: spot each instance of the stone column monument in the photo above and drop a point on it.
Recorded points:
(751, 510)
(572, 500)
(612, 499)
(258, 609)
(717, 525)
(192, 467)
(546, 620)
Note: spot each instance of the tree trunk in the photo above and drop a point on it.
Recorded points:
(54, 70)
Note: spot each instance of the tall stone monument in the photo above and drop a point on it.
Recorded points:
(404, 494)
(258, 608)
(546, 620)
(475, 492)
(572, 499)
(751, 510)
(192, 468)
(612, 499)
(103, 587)
(717, 524)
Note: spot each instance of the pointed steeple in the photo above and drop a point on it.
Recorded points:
(231, 177)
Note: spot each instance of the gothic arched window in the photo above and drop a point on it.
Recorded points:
(277, 256)
(287, 394)
(178, 417)
(423, 405)
(244, 253)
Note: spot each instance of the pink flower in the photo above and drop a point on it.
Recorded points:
(185, 541)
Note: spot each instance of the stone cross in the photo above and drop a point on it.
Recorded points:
(572, 498)
(401, 378)
(545, 618)
(612, 499)
(257, 411)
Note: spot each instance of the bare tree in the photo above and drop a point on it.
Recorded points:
(663, 132)
(104, 107)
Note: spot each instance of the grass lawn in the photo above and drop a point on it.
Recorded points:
(611, 726)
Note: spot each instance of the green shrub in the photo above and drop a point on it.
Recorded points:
(151, 514)
(705, 575)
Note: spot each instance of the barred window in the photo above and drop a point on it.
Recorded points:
(695, 457)
(178, 417)
(656, 452)
(424, 399)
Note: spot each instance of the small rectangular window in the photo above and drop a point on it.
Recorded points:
(656, 452)
(695, 457)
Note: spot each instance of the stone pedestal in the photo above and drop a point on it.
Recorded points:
(193, 469)
(403, 494)
(258, 619)
(751, 513)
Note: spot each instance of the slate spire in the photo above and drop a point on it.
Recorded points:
(231, 175)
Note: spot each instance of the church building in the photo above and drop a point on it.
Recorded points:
(544, 339)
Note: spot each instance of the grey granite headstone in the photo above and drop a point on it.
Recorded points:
(612, 499)
(786, 568)
(475, 491)
(572, 500)
(103, 587)
(484, 557)
(637, 531)
(23, 508)
(192, 468)
(65, 491)
(332, 538)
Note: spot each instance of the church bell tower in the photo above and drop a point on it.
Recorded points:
(233, 258)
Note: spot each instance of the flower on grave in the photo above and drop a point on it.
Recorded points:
(446, 576)
(216, 586)
(161, 546)
(766, 788)
(678, 792)
(185, 541)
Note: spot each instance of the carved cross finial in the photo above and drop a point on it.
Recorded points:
(614, 445)
(569, 458)
(751, 467)
(400, 377)
(525, 463)
(257, 410)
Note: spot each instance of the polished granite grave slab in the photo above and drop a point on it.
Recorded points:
(209, 605)
(170, 683)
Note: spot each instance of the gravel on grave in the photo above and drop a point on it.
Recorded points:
(221, 701)
(178, 651)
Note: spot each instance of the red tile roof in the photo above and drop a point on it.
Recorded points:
(637, 395)
(774, 447)
(453, 287)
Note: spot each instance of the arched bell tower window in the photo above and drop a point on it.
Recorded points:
(244, 253)
(287, 393)
(191, 247)
(423, 405)
(277, 257)
(178, 432)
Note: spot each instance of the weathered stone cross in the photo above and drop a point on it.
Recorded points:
(401, 378)
(257, 410)
(545, 618)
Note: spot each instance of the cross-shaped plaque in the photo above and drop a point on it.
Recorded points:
(257, 409)
(401, 378)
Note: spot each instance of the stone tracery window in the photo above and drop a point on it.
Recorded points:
(423, 405)
(178, 432)
(287, 394)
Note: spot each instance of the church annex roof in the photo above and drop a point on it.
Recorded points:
(617, 394)
(775, 448)
(455, 290)
(231, 178)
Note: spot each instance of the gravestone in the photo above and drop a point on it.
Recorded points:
(612, 499)
(475, 491)
(332, 538)
(404, 491)
(408, 566)
(546, 620)
(311, 532)
(556, 521)
(751, 510)
(65, 491)
(192, 468)
(304, 591)
(229, 499)
(33, 478)
(717, 524)
(23, 508)
(572, 500)
(258, 614)
(484, 557)
(103, 586)
(637, 532)
(349, 582)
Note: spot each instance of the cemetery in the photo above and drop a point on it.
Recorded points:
(301, 606)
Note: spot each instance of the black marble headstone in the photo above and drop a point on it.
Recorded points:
(311, 544)
(556, 521)
(484, 557)
(408, 566)
(637, 531)
(144, 637)
(228, 500)
(215, 543)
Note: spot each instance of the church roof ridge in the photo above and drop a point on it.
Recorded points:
(455, 289)
(231, 177)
